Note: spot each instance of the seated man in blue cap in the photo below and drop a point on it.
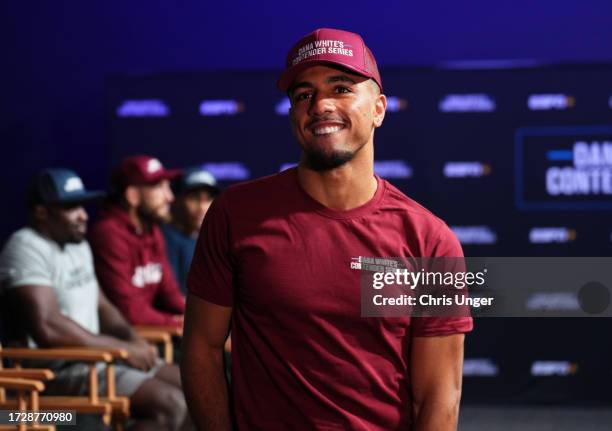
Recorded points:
(48, 280)
(194, 191)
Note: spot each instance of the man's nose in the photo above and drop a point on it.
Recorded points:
(169, 194)
(321, 105)
(82, 214)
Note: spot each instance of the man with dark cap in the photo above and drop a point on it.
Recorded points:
(128, 246)
(194, 191)
(274, 259)
(49, 282)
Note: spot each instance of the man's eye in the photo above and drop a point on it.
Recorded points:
(301, 96)
(342, 90)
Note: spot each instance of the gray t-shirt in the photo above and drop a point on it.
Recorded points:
(29, 258)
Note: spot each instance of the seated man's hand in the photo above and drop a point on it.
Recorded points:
(141, 355)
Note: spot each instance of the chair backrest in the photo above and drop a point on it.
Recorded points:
(12, 330)
(3, 312)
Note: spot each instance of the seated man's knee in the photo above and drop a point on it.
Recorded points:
(162, 403)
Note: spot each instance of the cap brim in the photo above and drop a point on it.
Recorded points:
(170, 174)
(82, 198)
(213, 189)
(166, 174)
(289, 75)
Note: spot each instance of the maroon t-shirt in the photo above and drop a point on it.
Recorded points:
(302, 357)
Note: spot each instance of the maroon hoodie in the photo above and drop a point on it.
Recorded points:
(133, 270)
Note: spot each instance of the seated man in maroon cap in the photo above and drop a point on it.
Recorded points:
(274, 259)
(128, 246)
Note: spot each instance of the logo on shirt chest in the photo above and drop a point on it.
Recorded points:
(375, 264)
(150, 273)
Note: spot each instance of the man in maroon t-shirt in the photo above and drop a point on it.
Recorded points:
(128, 246)
(274, 260)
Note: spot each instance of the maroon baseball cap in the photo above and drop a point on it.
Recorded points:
(328, 46)
(142, 170)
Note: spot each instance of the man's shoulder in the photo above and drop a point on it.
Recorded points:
(28, 238)
(258, 190)
(435, 234)
(262, 184)
(396, 200)
(108, 223)
(172, 235)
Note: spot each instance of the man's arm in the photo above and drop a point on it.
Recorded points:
(202, 369)
(44, 320)
(436, 372)
(169, 295)
(112, 321)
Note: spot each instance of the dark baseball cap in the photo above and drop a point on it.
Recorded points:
(141, 170)
(195, 178)
(330, 47)
(59, 186)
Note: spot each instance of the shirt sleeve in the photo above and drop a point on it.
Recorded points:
(447, 245)
(23, 263)
(211, 272)
(115, 276)
(169, 296)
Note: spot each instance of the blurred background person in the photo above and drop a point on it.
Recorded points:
(128, 246)
(194, 191)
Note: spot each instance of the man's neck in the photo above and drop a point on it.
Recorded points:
(184, 228)
(44, 231)
(139, 223)
(346, 187)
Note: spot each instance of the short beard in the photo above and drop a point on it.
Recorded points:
(75, 239)
(152, 217)
(320, 161)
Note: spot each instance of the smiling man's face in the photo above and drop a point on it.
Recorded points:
(333, 115)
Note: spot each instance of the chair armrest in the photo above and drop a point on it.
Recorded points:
(153, 336)
(27, 373)
(172, 330)
(113, 351)
(21, 384)
(68, 354)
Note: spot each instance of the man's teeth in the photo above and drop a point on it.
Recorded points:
(326, 130)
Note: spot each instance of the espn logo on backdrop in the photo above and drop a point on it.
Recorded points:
(467, 103)
(547, 102)
(480, 367)
(553, 368)
(143, 108)
(393, 169)
(215, 108)
(551, 235)
(228, 171)
(466, 169)
(472, 235)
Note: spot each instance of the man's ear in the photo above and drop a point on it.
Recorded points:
(132, 196)
(291, 119)
(40, 213)
(380, 107)
(290, 114)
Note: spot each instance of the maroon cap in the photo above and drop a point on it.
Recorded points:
(142, 170)
(328, 46)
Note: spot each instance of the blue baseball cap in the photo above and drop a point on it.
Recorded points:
(195, 178)
(59, 186)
